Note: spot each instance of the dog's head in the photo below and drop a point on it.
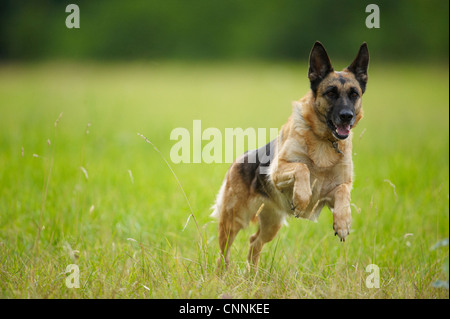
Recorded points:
(338, 94)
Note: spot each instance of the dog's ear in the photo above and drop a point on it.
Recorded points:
(319, 65)
(359, 66)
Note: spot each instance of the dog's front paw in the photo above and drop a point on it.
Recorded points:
(341, 223)
(283, 182)
(300, 201)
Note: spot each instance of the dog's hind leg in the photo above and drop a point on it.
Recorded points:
(229, 226)
(270, 223)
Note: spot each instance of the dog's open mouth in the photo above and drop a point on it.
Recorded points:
(340, 131)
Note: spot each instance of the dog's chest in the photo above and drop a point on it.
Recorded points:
(322, 183)
(323, 156)
(328, 167)
(323, 180)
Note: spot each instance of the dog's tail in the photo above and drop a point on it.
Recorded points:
(217, 207)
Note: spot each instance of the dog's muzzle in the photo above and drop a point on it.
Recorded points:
(342, 124)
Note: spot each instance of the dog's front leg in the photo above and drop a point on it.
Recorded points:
(342, 216)
(294, 175)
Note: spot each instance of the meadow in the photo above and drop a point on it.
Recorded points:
(78, 185)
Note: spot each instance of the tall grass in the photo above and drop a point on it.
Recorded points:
(107, 202)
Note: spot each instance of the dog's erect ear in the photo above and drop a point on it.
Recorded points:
(319, 65)
(359, 66)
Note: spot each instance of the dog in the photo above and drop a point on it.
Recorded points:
(309, 164)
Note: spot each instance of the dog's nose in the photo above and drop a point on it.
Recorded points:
(346, 115)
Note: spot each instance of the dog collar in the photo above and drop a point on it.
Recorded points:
(335, 145)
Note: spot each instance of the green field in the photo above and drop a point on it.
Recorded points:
(87, 190)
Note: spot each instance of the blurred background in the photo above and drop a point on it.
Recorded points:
(235, 29)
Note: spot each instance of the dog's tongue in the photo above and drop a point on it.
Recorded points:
(343, 130)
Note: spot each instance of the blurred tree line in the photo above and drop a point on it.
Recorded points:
(221, 29)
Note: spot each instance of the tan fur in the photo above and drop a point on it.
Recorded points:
(307, 173)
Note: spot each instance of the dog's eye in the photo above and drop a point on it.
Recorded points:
(354, 95)
(331, 94)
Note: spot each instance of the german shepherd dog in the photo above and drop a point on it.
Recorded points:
(309, 165)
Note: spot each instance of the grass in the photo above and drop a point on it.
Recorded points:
(89, 191)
